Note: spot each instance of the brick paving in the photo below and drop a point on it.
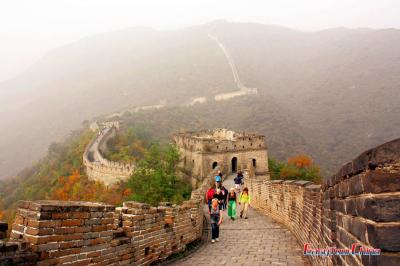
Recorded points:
(258, 240)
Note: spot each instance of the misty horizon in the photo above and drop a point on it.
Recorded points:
(39, 56)
(30, 30)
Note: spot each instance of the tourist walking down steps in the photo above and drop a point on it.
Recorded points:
(244, 201)
(215, 219)
(238, 180)
(232, 203)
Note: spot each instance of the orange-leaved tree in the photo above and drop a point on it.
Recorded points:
(79, 187)
(301, 161)
(300, 167)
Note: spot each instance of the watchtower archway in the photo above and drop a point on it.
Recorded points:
(234, 164)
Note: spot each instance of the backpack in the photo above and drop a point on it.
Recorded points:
(210, 194)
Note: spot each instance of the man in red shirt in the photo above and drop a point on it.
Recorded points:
(209, 196)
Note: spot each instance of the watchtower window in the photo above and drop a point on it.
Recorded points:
(254, 163)
(217, 147)
(214, 165)
(243, 146)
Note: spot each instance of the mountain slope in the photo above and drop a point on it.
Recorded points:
(337, 89)
(342, 85)
(103, 74)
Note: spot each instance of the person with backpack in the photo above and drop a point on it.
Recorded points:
(225, 194)
(238, 180)
(218, 180)
(244, 202)
(215, 220)
(209, 196)
(222, 177)
(220, 198)
(232, 203)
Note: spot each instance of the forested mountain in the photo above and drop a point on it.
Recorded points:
(330, 93)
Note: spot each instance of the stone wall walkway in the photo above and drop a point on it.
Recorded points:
(258, 240)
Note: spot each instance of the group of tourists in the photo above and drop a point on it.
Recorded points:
(220, 199)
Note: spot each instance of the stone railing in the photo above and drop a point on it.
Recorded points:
(98, 167)
(358, 205)
(85, 233)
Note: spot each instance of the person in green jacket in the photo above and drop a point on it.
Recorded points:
(244, 201)
(232, 203)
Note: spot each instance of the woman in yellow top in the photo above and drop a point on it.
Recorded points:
(244, 201)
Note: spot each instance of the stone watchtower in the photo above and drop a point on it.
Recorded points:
(204, 150)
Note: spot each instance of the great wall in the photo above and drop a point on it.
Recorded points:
(358, 205)
(98, 167)
(242, 90)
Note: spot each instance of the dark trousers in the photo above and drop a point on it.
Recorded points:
(209, 205)
(214, 231)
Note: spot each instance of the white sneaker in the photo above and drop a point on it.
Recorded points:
(217, 239)
(212, 241)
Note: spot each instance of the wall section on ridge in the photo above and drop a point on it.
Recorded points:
(101, 169)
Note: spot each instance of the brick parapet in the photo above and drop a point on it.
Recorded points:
(359, 204)
(86, 233)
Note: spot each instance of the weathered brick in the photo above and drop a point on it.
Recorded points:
(59, 215)
(351, 206)
(384, 236)
(380, 208)
(72, 222)
(355, 185)
(379, 181)
(80, 215)
(339, 205)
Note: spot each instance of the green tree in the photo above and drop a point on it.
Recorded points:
(275, 168)
(156, 177)
(129, 145)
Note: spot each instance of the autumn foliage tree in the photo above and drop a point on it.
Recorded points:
(77, 187)
(299, 167)
(301, 161)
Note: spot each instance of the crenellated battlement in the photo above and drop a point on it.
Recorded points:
(358, 205)
(100, 168)
(219, 140)
(231, 151)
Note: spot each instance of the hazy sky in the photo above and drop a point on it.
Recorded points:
(29, 28)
